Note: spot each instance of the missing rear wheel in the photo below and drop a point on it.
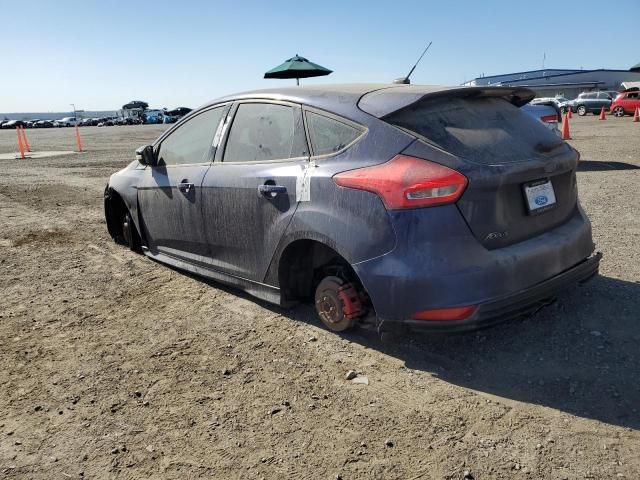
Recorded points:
(337, 303)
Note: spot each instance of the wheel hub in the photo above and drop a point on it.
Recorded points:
(329, 307)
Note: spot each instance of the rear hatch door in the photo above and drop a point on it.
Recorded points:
(521, 175)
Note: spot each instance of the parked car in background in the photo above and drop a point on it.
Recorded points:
(172, 116)
(612, 93)
(153, 116)
(445, 208)
(546, 112)
(561, 102)
(13, 124)
(591, 102)
(127, 121)
(43, 124)
(626, 103)
(66, 122)
(106, 122)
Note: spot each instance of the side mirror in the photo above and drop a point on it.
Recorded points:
(146, 156)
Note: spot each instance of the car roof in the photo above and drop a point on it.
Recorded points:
(377, 99)
(341, 99)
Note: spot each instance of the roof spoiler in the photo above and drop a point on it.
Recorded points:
(387, 101)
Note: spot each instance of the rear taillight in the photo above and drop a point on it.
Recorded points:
(445, 314)
(407, 182)
(549, 118)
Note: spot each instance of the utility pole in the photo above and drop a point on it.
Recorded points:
(74, 110)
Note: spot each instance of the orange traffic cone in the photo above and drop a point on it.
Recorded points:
(636, 115)
(566, 135)
(602, 116)
(25, 139)
(569, 112)
(20, 145)
(78, 141)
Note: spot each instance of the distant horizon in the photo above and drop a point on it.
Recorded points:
(84, 110)
(56, 115)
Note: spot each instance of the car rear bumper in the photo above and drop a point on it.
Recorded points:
(510, 306)
(438, 264)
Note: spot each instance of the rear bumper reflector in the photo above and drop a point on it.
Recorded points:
(445, 314)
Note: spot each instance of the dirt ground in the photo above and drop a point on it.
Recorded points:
(113, 366)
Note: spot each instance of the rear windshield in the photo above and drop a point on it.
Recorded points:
(483, 130)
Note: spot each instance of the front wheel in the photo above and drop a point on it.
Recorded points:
(130, 233)
(618, 112)
(582, 110)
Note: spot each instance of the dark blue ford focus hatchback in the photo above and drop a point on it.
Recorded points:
(425, 206)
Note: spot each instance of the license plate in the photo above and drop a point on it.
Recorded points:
(540, 196)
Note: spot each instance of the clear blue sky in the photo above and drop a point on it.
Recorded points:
(101, 54)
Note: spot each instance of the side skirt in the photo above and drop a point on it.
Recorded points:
(262, 291)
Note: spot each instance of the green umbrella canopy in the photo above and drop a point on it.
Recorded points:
(297, 67)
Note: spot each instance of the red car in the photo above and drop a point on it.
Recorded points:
(626, 103)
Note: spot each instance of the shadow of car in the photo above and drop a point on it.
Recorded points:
(579, 356)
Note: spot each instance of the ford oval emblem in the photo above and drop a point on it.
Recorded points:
(541, 200)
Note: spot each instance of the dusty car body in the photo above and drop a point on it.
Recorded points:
(401, 205)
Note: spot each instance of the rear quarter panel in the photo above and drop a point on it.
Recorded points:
(354, 223)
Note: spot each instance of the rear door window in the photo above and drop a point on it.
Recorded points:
(329, 135)
(483, 130)
(264, 132)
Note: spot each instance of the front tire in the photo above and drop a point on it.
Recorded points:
(130, 236)
(582, 110)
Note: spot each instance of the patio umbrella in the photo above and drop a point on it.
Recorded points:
(297, 67)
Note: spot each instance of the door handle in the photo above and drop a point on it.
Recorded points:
(269, 190)
(185, 187)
